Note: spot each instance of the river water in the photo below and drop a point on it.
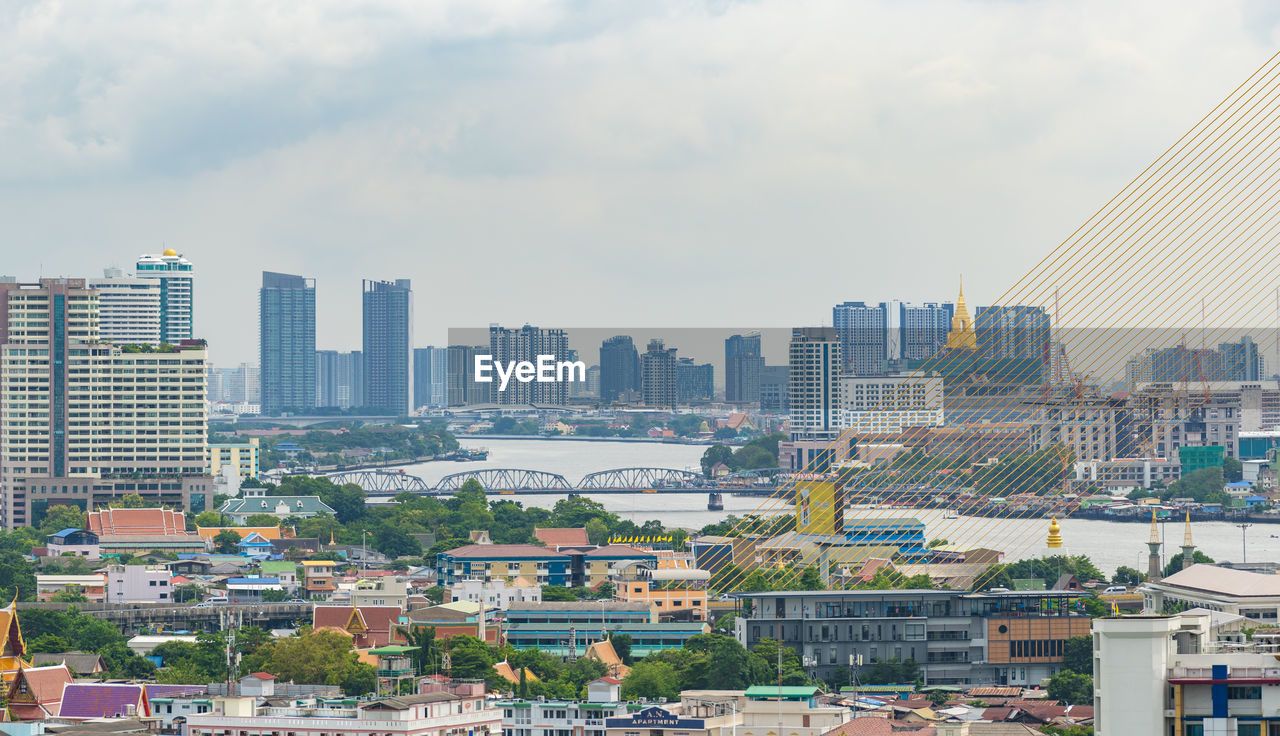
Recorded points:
(1108, 544)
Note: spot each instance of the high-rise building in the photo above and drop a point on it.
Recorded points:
(922, 329)
(82, 421)
(339, 379)
(526, 343)
(241, 384)
(775, 388)
(388, 351)
(658, 375)
(1012, 332)
(694, 381)
(619, 369)
(461, 387)
(742, 366)
(430, 366)
(177, 293)
(214, 388)
(128, 309)
(814, 381)
(864, 337)
(287, 342)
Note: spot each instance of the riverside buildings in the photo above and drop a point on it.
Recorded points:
(82, 421)
(287, 342)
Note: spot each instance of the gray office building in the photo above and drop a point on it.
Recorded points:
(388, 355)
(658, 375)
(864, 337)
(619, 368)
(287, 342)
(461, 388)
(339, 379)
(430, 367)
(743, 365)
(775, 385)
(695, 382)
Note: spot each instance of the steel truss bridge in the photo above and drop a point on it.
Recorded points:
(521, 481)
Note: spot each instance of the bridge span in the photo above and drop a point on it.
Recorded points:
(380, 482)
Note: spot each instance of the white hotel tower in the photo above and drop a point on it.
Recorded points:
(175, 275)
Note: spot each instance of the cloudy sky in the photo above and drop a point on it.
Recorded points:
(589, 163)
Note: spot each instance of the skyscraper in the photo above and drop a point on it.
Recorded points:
(128, 309)
(71, 436)
(461, 388)
(177, 293)
(659, 375)
(814, 382)
(694, 381)
(619, 368)
(429, 370)
(743, 365)
(526, 344)
(388, 352)
(864, 337)
(922, 329)
(339, 379)
(1012, 331)
(287, 342)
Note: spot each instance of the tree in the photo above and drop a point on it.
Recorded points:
(1232, 469)
(313, 658)
(890, 672)
(557, 593)
(394, 542)
(260, 520)
(622, 647)
(130, 501)
(360, 680)
(792, 671)
(597, 531)
(470, 658)
(16, 577)
(225, 542)
(70, 594)
(651, 679)
(57, 518)
(714, 455)
(1127, 576)
(1077, 654)
(1071, 688)
(208, 519)
(938, 698)
(811, 580)
(725, 433)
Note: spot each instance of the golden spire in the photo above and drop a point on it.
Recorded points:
(1055, 534)
(1155, 530)
(1186, 537)
(962, 336)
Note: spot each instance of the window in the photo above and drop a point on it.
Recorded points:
(1244, 692)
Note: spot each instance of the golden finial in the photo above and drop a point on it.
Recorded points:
(1155, 530)
(1186, 537)
(1055, 534)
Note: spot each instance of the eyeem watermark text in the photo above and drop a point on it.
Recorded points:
(546, 369)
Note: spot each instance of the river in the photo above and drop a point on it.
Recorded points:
(1108, 544)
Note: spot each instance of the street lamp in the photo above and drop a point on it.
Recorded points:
(1244, 547)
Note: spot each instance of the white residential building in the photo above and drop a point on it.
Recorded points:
(138, 584)
(1156, 675)
(388, 591)
(128, 309)
(431, 714)
(889, 403)
(494, 594)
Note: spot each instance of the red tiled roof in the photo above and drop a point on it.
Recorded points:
(102, 701)
(555, 537)
(263, 675)
(141, 522)
(876, 726)
(610, 680)
(998, 692)
(379, 622)
(998, 714)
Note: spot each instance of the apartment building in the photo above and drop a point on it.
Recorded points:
(957, 637)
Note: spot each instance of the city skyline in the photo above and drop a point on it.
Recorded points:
(462, 115)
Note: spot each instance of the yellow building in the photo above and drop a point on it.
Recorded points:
(671, 591)
(243, 456)
(819, 505)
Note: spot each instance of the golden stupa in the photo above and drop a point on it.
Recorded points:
(962, 336)
(1055, 535)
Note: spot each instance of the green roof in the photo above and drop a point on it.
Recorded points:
(270, 566)
(392, 649)
(785, 692)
